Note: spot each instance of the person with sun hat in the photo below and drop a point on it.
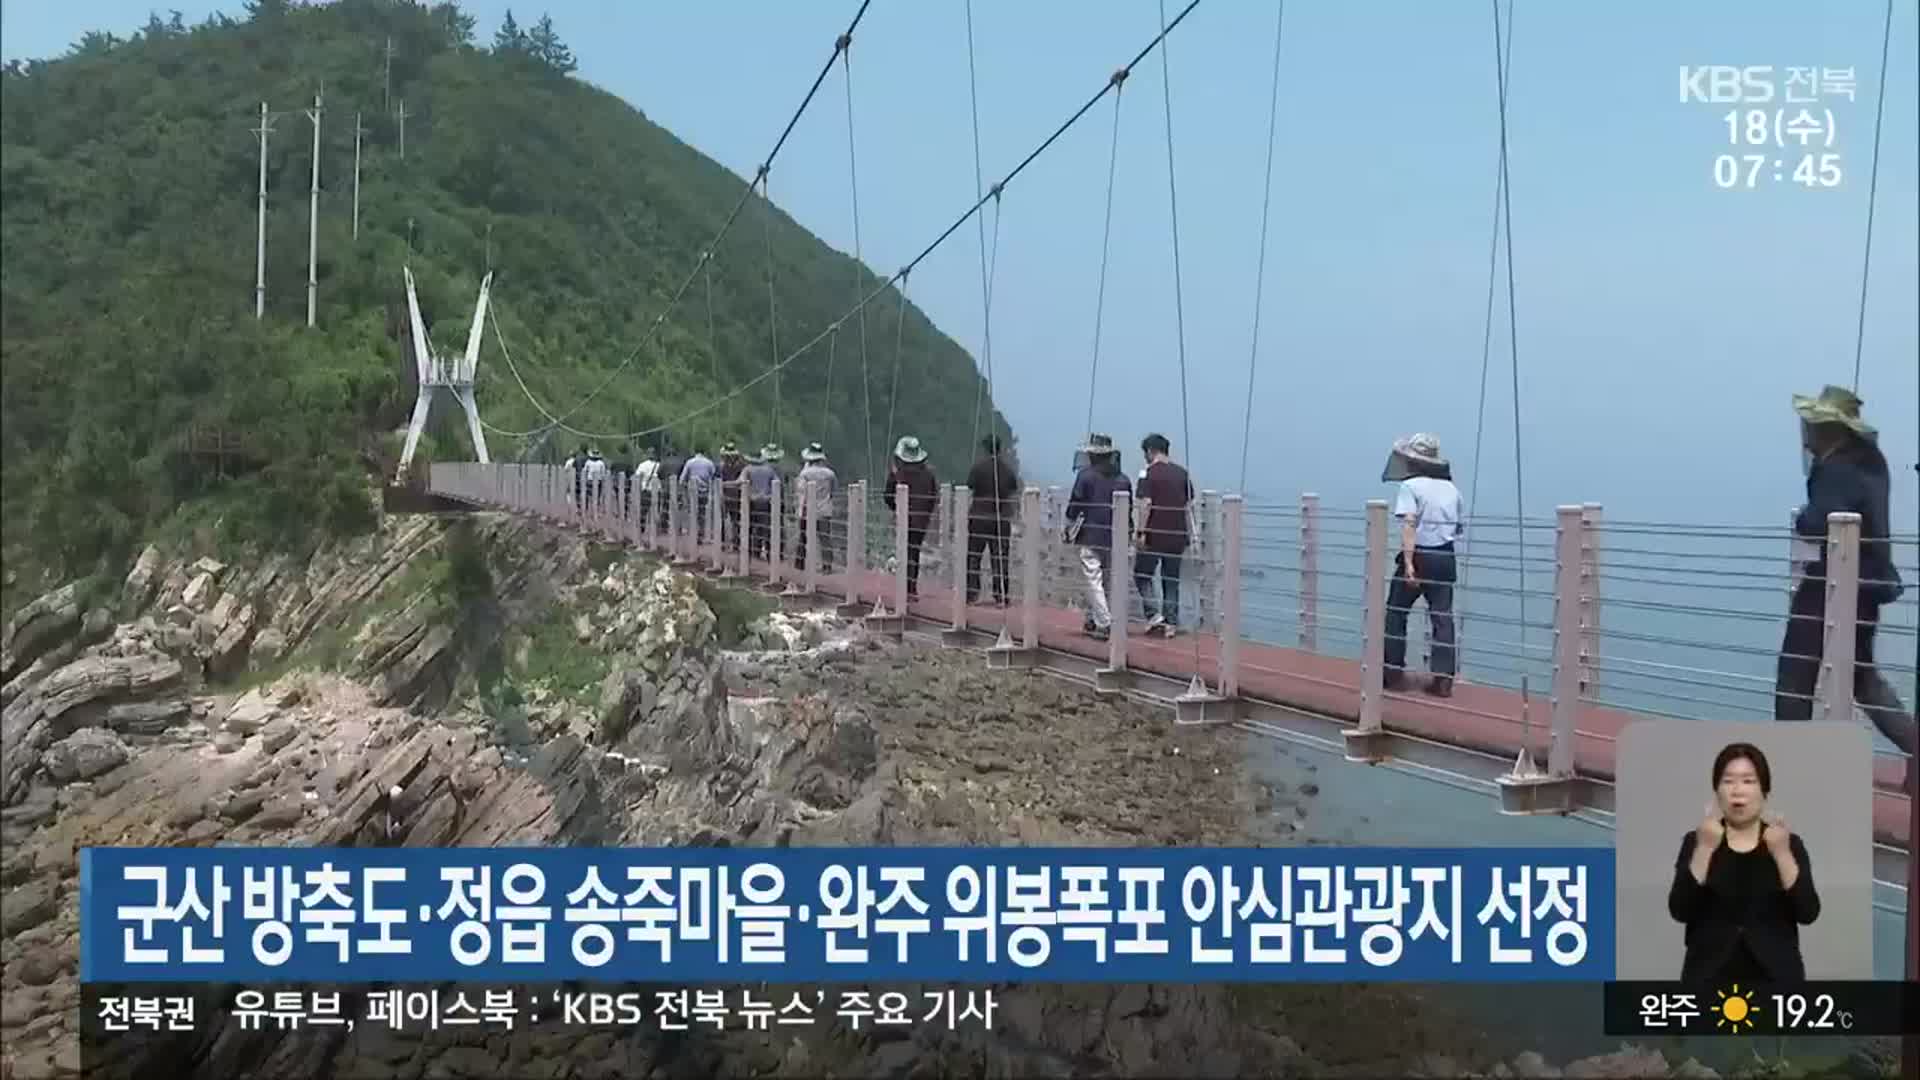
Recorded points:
(1429, 508)
(910, 470)
(816, 486)
(1846, 473)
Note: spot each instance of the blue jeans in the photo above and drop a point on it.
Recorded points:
(1168, 564)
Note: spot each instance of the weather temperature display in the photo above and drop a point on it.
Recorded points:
(1734, 1009)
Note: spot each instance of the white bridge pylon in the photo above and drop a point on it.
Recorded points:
(451, 373)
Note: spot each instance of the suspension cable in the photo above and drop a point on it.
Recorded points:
(1179, 302)
(713, 348)
(1260, 274)
(766, 164)
(1486, 334)
(899, 338)
(826, 401)
(859, 265)
(1106, 245)
(993, 194)
(979, 228)
(1513, 320)
(1873, 188)
(773, 325)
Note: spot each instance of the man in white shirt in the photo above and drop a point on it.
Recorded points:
(593, 481)
(646, 481)
(1428, 508)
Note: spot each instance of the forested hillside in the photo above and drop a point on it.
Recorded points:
(129, 171)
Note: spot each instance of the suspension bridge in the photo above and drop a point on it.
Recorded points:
(1286, 636)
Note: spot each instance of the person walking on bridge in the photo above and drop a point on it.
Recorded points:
(593, 482)
(759, 477)
(816, 483)
(1846, 473)
(622, 471)
(994, 487)
(696, 479)
(646, 482)
(1090, 526)
(574, 468)
(910, 470)
(672, 461)
(1428, 506)
(732, 466)
(1165, 495)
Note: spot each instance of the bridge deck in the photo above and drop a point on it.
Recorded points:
(1477, 716)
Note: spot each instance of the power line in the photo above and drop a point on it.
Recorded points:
(1873, 188)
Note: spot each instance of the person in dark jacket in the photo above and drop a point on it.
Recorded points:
(994, 485)
(672, 462)
(622, 478)
(1848, 473)
(759, 478)
(1165, 498)
(733, 465)
(910, 469)
(1090, 526)
(1743, 882)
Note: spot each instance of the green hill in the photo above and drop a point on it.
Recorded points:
(127, 292)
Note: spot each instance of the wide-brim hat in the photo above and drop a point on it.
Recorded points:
(729, 449)
(814, 452)
(772, 452)
(1421, 447)
(909, 450)
(1834, 405)
(1098, 444)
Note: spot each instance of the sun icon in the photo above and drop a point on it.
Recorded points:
(1735, 1009)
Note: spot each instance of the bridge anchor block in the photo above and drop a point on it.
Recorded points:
(1368, 747)
(1007, 656)
(1110, 681)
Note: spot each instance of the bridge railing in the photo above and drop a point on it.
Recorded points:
(1589, 617)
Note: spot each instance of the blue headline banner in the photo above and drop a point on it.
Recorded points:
(691, 915)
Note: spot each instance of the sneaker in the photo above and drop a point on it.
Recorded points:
(1156, 623)
(1394, 679)
(1098, 634)
(1441, 686)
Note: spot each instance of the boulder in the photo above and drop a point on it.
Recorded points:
(137, 590)
(38, 627)
(198, 595)
(68, 699)
(268, 647)
(277, 734)
(84, 755)
(228, 652)
(251, 713)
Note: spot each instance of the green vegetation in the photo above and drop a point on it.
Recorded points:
(554, 656)
(127, 292)
(733, 610)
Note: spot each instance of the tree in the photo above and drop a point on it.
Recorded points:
(545, 45)
(509, 38)
(455, 26)
(262, 10)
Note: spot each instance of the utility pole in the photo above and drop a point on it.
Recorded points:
(260, 243)
(313, 219)
(386, 86)
(403, 129)
(489, 247)
(357, 132)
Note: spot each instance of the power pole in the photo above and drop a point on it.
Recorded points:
(313, 219)
(386, 86)
(403, 129)
(489, 247)
(357, 132)
(260, 243)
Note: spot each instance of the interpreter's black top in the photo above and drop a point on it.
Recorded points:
(1740, 923)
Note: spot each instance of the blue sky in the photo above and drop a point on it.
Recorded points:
(1662, 322)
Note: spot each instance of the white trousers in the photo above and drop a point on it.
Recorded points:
(1093, 562)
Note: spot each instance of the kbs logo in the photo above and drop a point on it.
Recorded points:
(1723, 84)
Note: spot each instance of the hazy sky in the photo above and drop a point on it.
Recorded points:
(1663, 323)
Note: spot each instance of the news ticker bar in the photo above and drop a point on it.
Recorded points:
(1740, 1009)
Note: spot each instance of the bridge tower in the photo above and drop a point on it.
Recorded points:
(451, 373)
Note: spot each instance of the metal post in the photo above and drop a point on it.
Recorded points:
(1207, 612)
(357, 132)
(957, 556)
(716, 549)
(1310, 572)
(1058, 560)
(1030, 567)
(1119, 580)
(776, 517)
(1843, 607)
(745, 532)
(812, 580)
(856, 545)
(900, 601)
(1233, 522)
(1567, 635)
(1590, 599)
(674, 520)
(1373, 651)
